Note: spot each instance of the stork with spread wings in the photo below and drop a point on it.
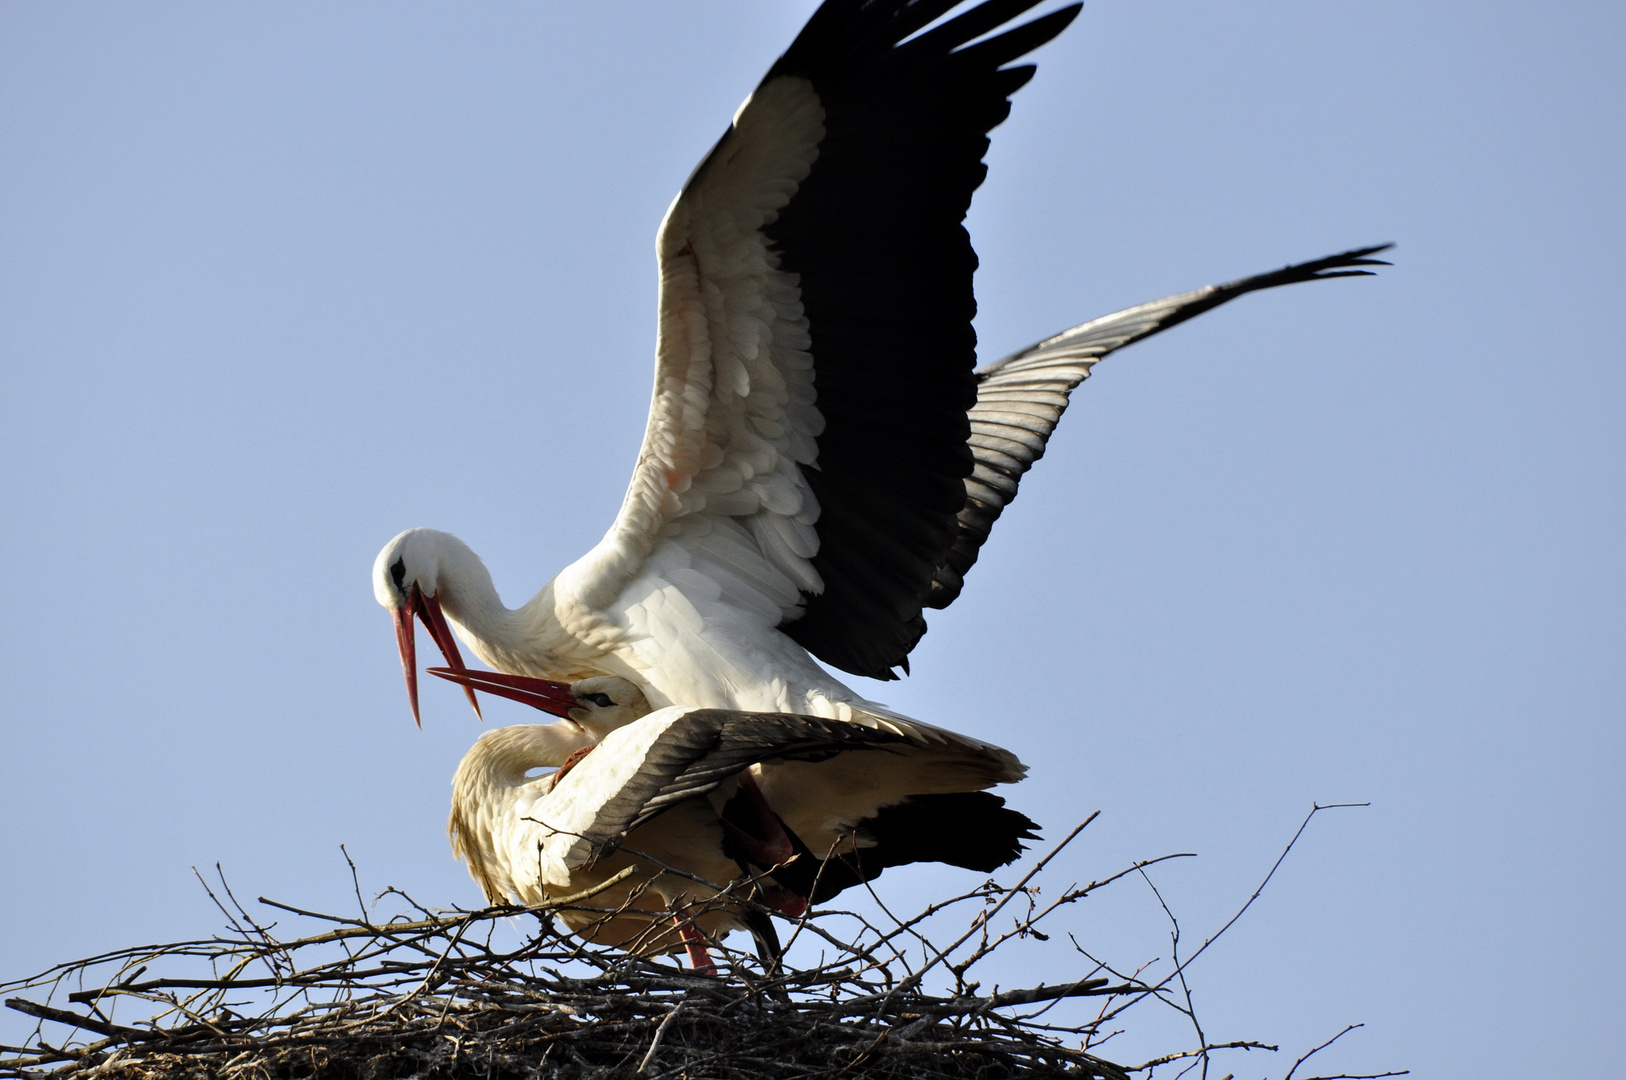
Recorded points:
(823, 458)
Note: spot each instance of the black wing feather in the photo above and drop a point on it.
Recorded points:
(874, 234)
(704, 747)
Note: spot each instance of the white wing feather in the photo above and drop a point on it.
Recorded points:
(733, 413)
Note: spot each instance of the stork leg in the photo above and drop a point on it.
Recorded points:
(773, 846)
(763, 841)
(769, 951)
(694, 942)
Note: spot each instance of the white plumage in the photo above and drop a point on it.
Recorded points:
(668, 812)
(822, 460)
(523, 838)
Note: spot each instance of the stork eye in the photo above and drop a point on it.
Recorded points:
(601, 700)
(398, 573)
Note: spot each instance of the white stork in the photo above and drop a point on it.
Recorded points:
(668, 812)
(823, 460)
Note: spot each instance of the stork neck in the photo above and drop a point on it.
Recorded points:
(490, 785)
(525, 640)
(500, 758)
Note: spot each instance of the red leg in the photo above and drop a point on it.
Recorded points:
(694, 943)
(775, 846)
(784, 901)
(773, 851)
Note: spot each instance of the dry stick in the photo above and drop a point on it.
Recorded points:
(984, 919)
(1068, 897)
(355, 882)
(260, 934)
(184, 1009)
(807, 912)
(73, 1019)
(1315, 808)
(447, 922)
(1081, 988)
(391, 890)
(263, 935)
(1179, 969)
(868, 952)
(655, 1043)
(264, 948)
(457, 936)
(899, 927)
(981, 892)
(231, 920)
(1180, 966)
(391, 930)
(1184, 1054)
(490, 1001)
(727, 893)
(1144, 988)
(897, 953)
(94, 998)
(1316, 1050)
(50, 1055)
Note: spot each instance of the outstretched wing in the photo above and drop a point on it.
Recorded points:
(1021, 398)
(806, 449)
(647, 767)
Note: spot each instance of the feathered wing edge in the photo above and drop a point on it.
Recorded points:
(1021, 398)
(695, 753)
(875, 238)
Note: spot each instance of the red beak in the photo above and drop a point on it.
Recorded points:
(550, 697)
(426, 608)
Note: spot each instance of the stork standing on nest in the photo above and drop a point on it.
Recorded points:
(822, 460)
(668, 813)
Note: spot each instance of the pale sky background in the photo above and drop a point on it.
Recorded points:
(280, 280)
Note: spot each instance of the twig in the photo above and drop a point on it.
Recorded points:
(1315, 808)
(660, 1033)
(426, 991)
(73, 1019)
(1313, 1051)
(982, 920)
(1204, 1049)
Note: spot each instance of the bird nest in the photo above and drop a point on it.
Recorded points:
(401, 991)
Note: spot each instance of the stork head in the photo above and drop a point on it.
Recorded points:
(598, 705)
(415, 575)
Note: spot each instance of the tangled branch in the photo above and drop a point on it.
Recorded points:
(400, 990)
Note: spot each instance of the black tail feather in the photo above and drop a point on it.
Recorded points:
(970, 829)
(973, 829)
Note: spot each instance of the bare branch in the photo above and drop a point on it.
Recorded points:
(454, 993)
(1313, 1051)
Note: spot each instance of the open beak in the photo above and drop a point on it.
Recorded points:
(426, 608)
(550, 697)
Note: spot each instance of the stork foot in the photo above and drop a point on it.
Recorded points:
(784, 901)
(569, 763)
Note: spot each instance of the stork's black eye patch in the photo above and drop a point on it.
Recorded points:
(398, 573)
(601, 700)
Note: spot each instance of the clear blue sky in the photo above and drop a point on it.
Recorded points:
(279, 280)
